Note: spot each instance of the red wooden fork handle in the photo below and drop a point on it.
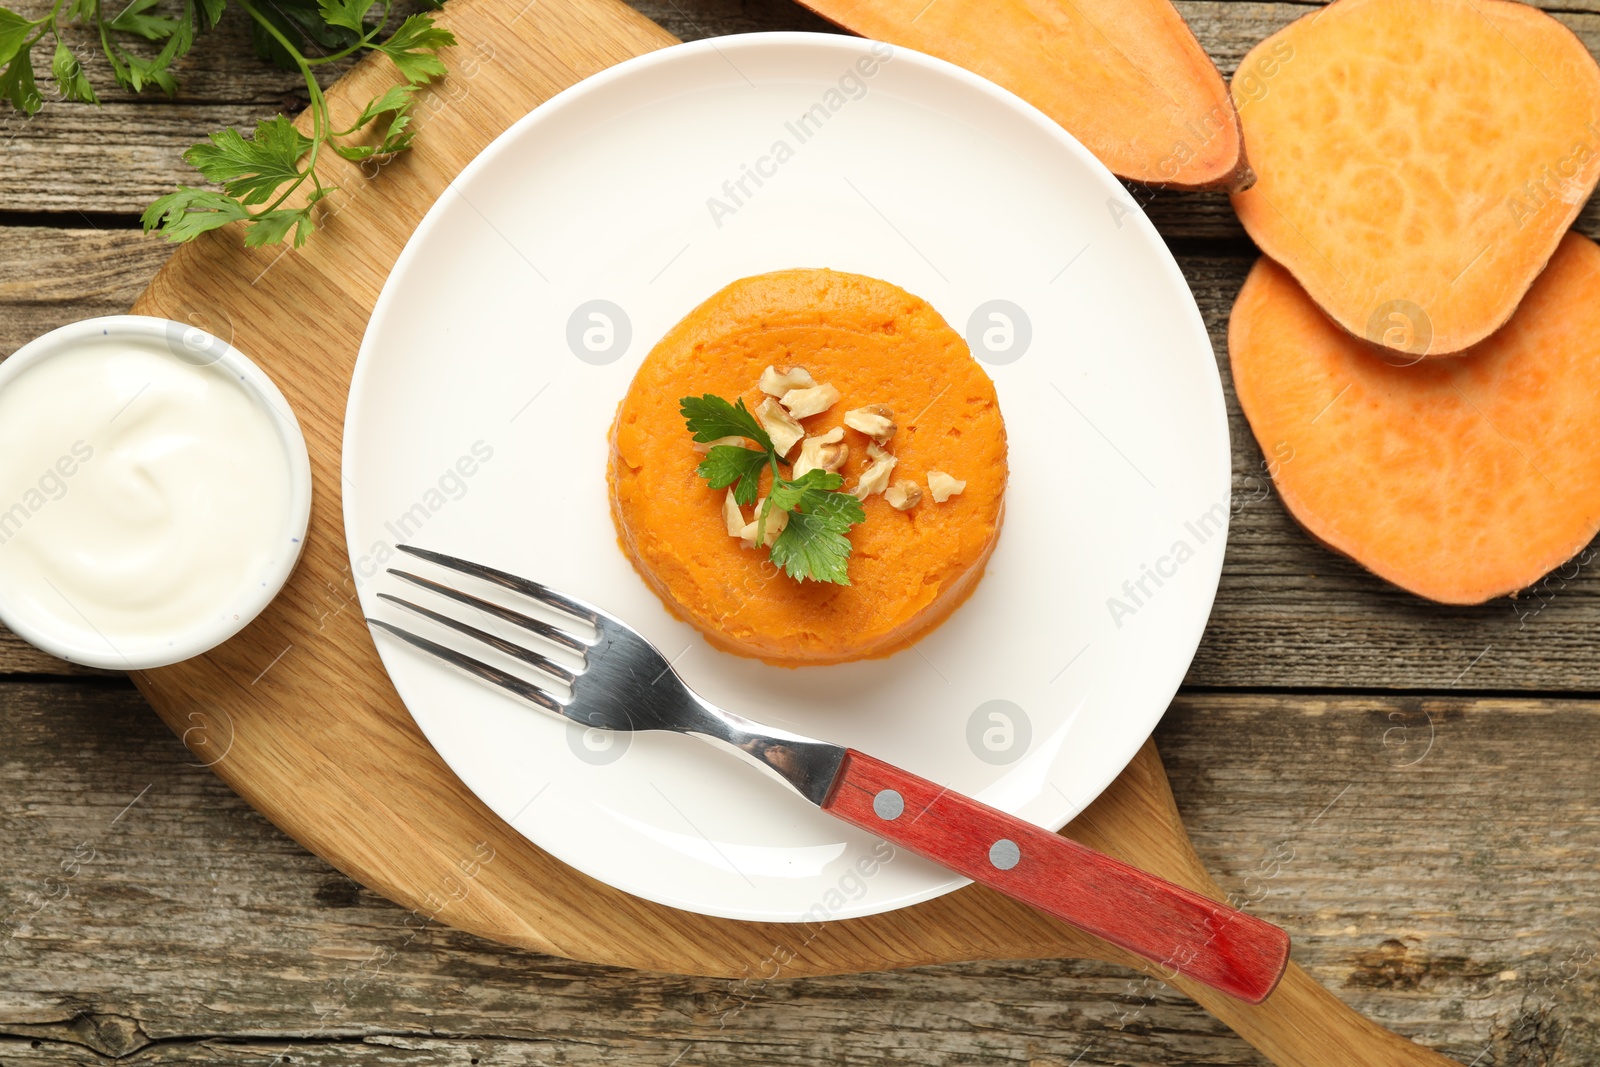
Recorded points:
(1180, 930)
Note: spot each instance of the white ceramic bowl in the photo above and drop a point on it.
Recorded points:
(198, 347)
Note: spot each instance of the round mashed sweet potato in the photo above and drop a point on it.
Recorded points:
(875, 343)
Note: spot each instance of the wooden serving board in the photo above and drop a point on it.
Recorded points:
(297, 714)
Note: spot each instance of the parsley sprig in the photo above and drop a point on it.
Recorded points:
(259, 174)
(267, 169)
(815, 544)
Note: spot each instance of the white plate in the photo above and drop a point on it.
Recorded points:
(475, 428)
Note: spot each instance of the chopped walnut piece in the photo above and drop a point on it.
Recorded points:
(874, 420)
(822, 452)
(732, 516)
(775, 524)
(780, 425)
(776, 382)
(804, 403)
(875, 479)
(943, 487)
(903, 495)
(707, 446)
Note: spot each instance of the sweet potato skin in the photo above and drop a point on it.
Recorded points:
(1125, 77)
(877, 344)
(1417, 161)
(1460, 479)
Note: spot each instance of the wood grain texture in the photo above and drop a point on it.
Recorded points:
(1434, 857)
(74, 157)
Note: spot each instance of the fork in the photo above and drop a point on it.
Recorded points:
(623, 683)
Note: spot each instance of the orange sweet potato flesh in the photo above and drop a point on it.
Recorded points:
(1458, 479)
(1417, 161)
(876, 344)
(1125, 77)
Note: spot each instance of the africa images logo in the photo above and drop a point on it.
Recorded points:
(852, 85)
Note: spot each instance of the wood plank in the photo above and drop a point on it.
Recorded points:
(221, 68)
(119, 157)
(1289, 613)
(73, 158)
(50, 277)
(1431, 856)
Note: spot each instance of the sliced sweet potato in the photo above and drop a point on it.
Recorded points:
(1417, 161)
(1125, 77)
(1458, 479)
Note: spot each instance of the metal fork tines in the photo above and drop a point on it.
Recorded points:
(617, 679)
(533, 590)
(561, 638)
(493, 675)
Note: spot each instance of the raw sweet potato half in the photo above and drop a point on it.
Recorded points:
(1125, 77)
(1458, 479)
(1418, 160)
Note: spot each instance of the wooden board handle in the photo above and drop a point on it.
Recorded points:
(1304, 1025)
(1181, 931)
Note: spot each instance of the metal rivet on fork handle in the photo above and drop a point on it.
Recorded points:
(888, 804)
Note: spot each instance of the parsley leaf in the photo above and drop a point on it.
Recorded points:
(69, 77)
(396, 98)
(188, 213)
(17, 84)
(805, 492)
(271, 227)
(814, 545)
(397, 104)
(351, 14)
(252, 170)
(414, 46)
(134, 20)
(711, 417)
(178, 44)
(14, 30)
(142, 72)
(397, 138)
(285, 29)
(741, 468)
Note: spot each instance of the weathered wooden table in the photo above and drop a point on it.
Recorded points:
(1413, 791)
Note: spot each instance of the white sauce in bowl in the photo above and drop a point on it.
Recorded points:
(146, 500)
